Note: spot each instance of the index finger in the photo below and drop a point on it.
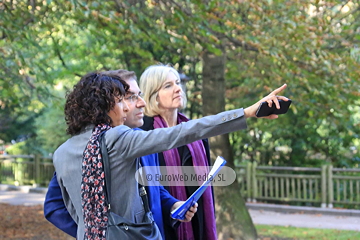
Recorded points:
(276, 91)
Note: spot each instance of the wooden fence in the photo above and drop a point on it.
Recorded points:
(26, 170)
(324, 186)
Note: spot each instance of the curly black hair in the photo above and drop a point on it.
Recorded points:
(91, 99)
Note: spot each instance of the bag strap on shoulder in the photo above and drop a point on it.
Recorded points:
(106, 164)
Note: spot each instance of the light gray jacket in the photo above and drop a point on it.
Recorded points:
(124, 146)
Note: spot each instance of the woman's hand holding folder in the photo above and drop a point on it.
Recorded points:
(189, 214)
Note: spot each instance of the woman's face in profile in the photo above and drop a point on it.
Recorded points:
(170, 93)
(119, 112)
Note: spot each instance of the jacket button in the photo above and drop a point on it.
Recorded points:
(235, 115)
(224, 119)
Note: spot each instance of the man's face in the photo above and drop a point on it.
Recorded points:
(135, 114)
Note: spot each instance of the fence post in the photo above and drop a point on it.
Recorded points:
(330, 187)
(37, 170)
(254, 182)
(323, 186)
(248, 182)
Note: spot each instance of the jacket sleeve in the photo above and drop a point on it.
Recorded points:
(55, 210)
(126, 143)
(167, 201)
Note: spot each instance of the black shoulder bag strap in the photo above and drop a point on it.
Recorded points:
(142, 191)
(106, 164)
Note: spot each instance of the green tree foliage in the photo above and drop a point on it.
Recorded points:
(313, 46)
(308, 46)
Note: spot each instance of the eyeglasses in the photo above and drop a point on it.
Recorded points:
(134, 97)
(119, 99)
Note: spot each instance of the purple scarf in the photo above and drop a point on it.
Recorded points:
(95, 211)
(198, 154)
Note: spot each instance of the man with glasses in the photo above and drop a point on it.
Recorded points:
(160, 201)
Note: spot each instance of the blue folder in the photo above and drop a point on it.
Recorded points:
(179, 212)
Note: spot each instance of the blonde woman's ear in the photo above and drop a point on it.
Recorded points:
(157, 98)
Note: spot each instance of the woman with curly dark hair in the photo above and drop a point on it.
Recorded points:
(96, 105)
(93, 97)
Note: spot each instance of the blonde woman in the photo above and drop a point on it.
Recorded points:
(163, 94)
(162, 90)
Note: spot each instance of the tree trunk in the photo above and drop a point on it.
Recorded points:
(232, 217)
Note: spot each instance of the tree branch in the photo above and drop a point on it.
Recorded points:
(57, 52)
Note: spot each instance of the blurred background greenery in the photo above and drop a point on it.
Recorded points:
(230, 54)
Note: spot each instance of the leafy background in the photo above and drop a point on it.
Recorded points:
(233, 52)
(310, 45)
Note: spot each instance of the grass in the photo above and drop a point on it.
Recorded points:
(283, 232)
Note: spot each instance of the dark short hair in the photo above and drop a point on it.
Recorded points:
(123, 73)
(91, 99)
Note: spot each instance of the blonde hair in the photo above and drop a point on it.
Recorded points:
(150, 83)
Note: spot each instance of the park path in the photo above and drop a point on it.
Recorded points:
(260, 213)
(306, 220)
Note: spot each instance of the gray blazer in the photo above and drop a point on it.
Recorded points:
(124, 146)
